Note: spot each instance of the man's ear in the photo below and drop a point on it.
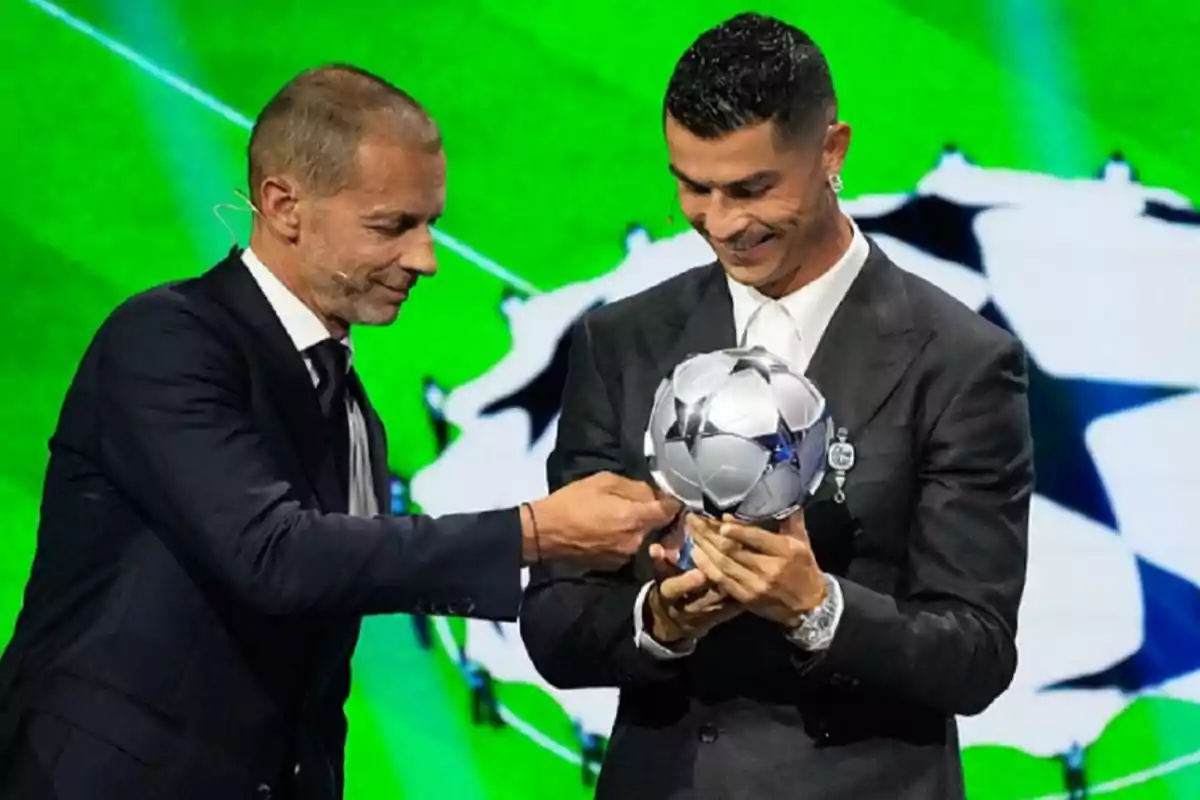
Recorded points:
(278, 204)
(837, 144)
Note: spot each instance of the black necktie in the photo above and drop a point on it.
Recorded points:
(329, 360)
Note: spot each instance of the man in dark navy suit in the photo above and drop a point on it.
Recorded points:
(211, 532)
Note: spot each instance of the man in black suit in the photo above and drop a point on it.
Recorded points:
(825, 660)
(211, 532)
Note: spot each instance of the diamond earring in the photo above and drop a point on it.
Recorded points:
(835, 183)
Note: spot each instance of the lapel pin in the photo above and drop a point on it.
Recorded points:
(841, 461)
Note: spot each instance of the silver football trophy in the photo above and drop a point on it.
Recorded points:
(737, 432)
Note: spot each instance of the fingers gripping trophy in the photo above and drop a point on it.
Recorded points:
(737, 432)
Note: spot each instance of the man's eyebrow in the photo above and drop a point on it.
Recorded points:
(678, 173)
(397, 215)
(762, 176)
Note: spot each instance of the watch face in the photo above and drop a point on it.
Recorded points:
(810, 640)
(816, 631)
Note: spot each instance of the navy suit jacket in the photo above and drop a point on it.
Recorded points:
(197, 587)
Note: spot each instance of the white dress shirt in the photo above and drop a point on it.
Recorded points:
(305, 329)
(791, 328)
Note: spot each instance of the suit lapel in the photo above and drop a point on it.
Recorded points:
(289, 382)
(869, 344)
(699, 320)
(703, 319)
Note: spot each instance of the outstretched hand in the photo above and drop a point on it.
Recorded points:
(598, 522)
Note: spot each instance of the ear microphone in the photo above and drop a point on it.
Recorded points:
(248, 201)
(219, 207)
(349, 285)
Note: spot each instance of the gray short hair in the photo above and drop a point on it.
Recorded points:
(313, 126)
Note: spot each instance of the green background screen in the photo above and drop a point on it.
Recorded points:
(1037, 159)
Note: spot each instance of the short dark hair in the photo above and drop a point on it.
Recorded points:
(313, 126)
(747, 70)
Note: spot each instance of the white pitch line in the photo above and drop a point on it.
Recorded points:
(1116, 784)
(241, 120)
(446, 637)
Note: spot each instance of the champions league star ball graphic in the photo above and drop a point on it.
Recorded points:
(737, 432)
(1098, 278)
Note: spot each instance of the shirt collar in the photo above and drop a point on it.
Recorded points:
(303, 327)
(811, 306)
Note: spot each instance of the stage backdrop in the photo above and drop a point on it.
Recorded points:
(1036, 159)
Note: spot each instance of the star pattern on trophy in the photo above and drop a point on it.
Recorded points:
(758, 364)
(781, 445)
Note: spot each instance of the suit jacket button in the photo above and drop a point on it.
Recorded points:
(842, 681)
(708, 733)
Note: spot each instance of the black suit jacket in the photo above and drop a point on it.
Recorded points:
(197, 587)
(929, 547)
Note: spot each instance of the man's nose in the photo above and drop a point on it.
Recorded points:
(421, 258)
(722, 221)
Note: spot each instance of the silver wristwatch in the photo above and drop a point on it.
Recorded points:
(817, 628)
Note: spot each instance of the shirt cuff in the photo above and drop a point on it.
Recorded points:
(646, 643)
